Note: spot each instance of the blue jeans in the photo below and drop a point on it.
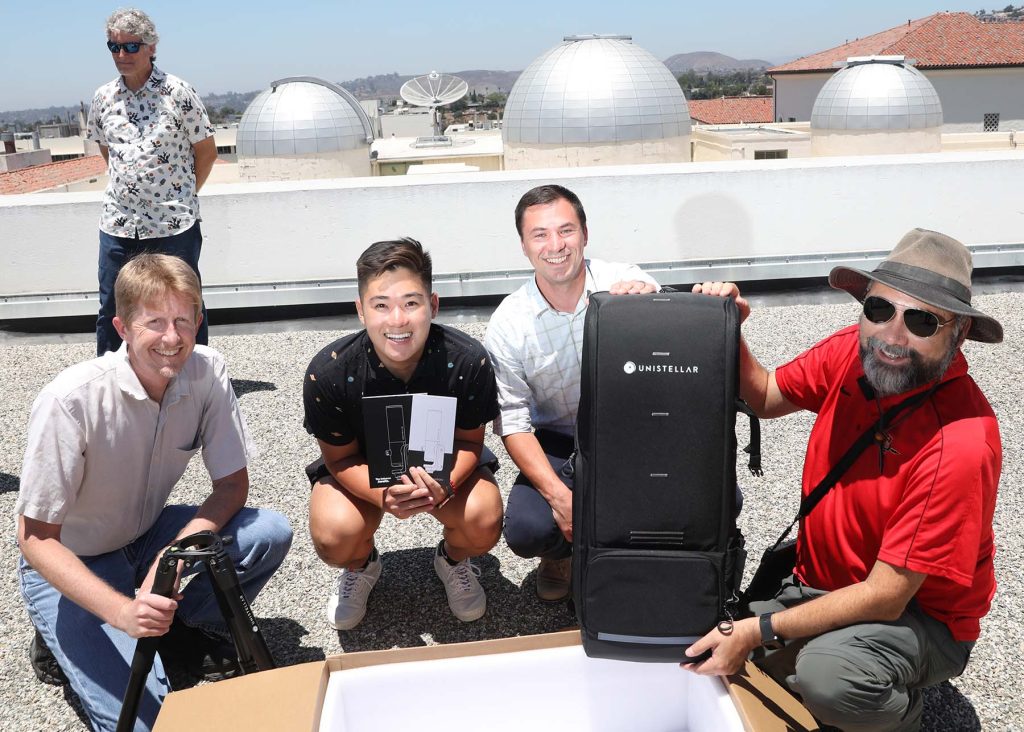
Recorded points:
(97, 657)
(115, 251)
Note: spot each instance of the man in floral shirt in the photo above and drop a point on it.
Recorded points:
(154, 133)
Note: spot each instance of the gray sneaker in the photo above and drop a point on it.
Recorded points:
(347, 604)
(466, 597)
(554, 579)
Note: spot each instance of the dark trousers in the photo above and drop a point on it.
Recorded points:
(530, 529)
(115, 251)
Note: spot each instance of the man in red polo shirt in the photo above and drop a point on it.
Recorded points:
(894, 565)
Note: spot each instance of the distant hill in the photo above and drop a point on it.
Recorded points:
(704, 61)
(386, 86)
(28, 116)
(236, 100)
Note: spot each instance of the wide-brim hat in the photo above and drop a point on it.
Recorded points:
(930, 267)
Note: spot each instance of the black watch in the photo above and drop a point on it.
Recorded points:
(768, 638)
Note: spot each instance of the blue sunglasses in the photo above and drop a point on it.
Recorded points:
(130, 47)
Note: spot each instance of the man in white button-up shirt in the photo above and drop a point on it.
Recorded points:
(108, 439)
(535, 339)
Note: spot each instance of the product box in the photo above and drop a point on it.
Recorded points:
(406, 430)
(537, 682)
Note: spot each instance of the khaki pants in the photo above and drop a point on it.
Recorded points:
(866, 676)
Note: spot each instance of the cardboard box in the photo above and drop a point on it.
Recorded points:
(532, 682)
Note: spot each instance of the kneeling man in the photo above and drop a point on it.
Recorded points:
(107, 441)
(400, 352)
(894, 566)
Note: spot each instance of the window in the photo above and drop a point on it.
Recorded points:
(771, 154)
(991, 122)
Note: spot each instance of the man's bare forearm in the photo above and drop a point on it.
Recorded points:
(528, 455)
(59, 566)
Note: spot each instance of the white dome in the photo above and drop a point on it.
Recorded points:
(877, 93)
(302, 115)
(595, 89)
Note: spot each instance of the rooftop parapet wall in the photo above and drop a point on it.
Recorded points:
(297, 242)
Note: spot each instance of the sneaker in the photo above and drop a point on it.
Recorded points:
(44, 663)
(554, 579)
(347, 604)
(202, 655)
(466, 597)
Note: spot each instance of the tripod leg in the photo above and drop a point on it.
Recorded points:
(253, 652)
(145, 650)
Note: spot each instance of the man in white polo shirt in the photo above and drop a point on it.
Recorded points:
(535, 339)
(107, 441)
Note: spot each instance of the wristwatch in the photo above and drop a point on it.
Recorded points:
(768, 638)
(449, 492)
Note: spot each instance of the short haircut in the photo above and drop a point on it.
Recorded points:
(150, 276)
(387, 256)
(134, 22)
(542, 195)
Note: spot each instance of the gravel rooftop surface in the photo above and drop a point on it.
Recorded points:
(408, 606)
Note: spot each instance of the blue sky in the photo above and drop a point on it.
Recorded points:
(53, 52)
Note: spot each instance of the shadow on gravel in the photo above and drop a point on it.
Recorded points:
(75, 703)
(946, 708)
(8, 483)
(284, 636)
(408, 607)
(246, 386)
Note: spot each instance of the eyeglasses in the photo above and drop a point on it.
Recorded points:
(130, 47)
(921, 323)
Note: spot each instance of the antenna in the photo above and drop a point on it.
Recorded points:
(433, 90)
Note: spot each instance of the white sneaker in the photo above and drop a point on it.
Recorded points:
(466, 597)
(347, 604)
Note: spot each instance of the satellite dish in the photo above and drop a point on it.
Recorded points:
(433, 90)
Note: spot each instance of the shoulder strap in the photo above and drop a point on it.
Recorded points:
(753, 448)
(868, 437)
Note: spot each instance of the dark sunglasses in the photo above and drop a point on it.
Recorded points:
(919, 322)
(130, 47)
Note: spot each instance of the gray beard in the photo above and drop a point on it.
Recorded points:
(886, 379)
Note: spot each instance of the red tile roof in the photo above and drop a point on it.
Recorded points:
(942, 40)
(731, 110)
(41, 177)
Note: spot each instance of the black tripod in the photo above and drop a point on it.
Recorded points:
(253, 653)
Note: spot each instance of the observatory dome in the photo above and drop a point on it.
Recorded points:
(302, 115)
(877, 93)
(595, 89)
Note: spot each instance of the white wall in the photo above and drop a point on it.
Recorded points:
(795, 95)
(523, 156)
(769, 218)
(710, 145)
(966, 95)
(10, 162)
(406, 125)
(307, 166)
(875, 142)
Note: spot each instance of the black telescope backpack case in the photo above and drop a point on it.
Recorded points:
(657, 557)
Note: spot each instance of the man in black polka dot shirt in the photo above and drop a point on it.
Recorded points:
(401, 351)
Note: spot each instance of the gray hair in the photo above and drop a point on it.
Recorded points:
(134, 22)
